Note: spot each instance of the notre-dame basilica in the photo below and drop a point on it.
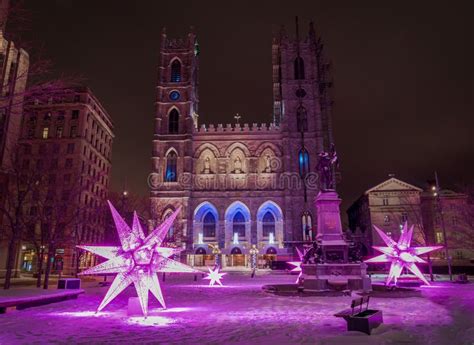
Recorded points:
(241, 186)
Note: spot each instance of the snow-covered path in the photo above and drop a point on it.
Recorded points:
(240, 313)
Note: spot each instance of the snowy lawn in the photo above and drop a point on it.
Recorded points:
(241, 313)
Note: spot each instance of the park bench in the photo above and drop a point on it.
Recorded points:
(19, 303)
(359, 317)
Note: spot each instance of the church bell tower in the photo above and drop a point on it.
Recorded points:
(175, 119)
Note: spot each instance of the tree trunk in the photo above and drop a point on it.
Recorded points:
(78, 262)
(430, 267)
(11, 257)
(39, 267)
(47, 271)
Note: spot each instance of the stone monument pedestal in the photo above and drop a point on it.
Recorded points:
(334, 271)
(330, 239)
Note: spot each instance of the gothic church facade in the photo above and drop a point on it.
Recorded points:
(240, 185)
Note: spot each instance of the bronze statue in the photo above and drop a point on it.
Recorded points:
(327, 162)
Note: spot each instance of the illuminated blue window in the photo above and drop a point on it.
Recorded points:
(303, 161)
(268, 224)
(238, 224)
(176, 71)
(209, 225)
(174, 95)
(171, 174)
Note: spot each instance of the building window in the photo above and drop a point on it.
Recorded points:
(42, 149)
(238, 224)
(306, 224)
(171, 174)
(73, 131)
(404, 217)
(385, 201)
(268, 224)
(386, 219)
(52, 178)
(302, 120)
(176, 71)
(70, 148)
(209, 225)
(439, 237)
(45, 133)
(54, 163)
(75, 114)
(455, 221)
(55, 148)
(303, 161)
(173, 122)
(68, 163)
(59, 132)
(299, 68)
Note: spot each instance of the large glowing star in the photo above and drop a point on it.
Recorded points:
(214, 276)
(297, 264)
(401, 254)
(137, 260)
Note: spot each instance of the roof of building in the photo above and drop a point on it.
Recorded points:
(393, 184)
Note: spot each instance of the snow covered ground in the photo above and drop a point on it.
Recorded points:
(240, 313)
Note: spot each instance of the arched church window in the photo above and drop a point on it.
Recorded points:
(176, 71)
(171, 174)
(306, 225)
(302, 119)
(268, 224)
(299, 68)
(209, 225)
(173, 122)
(170, 234)
(238, 224)
(303, 161)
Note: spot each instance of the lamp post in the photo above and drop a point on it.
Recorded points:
(436, 193)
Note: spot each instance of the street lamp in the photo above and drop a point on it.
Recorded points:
(436, 193)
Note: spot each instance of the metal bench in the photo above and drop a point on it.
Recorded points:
(359, 317)
(19, 303)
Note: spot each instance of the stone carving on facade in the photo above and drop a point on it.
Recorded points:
(207, 166)
(268, 164)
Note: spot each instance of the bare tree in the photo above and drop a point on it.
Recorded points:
(21, 183)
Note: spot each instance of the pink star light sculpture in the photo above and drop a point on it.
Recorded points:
(214, 276)
(137, 260)
(401, 254)
(297, 265)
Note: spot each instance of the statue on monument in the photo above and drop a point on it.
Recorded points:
(327, 162)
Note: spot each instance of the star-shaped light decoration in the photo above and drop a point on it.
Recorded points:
(214, 276)
(137, 260)
(297, 265)
(401, 254)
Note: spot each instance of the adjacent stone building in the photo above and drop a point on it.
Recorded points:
(67, 142)
(240, 184)
(387, 205)
(392, 202)
(457, 213)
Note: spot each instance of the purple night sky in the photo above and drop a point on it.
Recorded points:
(403, 76)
